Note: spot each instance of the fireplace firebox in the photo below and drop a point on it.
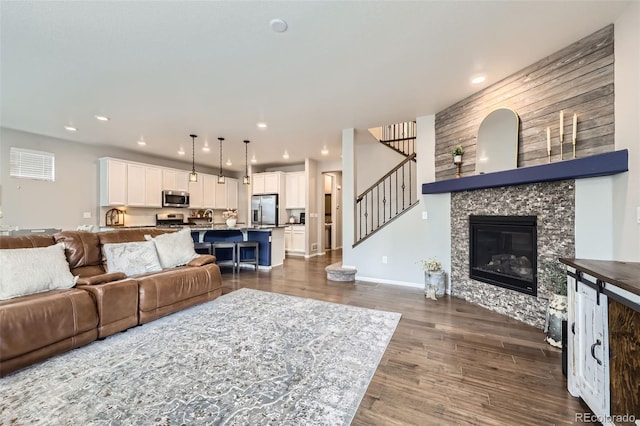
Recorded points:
(503, 251)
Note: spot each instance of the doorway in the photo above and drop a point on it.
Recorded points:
(332, 210)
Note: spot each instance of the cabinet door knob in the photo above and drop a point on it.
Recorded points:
(593, 351)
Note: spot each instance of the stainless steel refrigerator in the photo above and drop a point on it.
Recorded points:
(264, 210)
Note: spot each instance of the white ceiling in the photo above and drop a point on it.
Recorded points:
(164, 69)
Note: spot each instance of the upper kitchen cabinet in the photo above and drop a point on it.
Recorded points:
(113, 182)
(175, 180)
(296, 190)
(268, 183)
(144, 186)
(227, 194)
(232, 193)
(203, 193)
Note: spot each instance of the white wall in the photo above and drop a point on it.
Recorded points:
(28, 203)
(607, 207)
(626, 192)
(349, 183)
(409, 239)
(373, 160)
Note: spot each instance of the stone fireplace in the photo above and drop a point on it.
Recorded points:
(553, 206)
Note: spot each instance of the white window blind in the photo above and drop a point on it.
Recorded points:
(31, 164)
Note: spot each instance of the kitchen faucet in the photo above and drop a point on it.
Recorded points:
(210, 217)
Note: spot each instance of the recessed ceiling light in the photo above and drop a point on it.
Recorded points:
(262, 125)
(285, 155)
(278, 25)
(70, 128)
(101, 117)
(253, 159)
(324, 151)
(206, 148)
(478, 79)
(141, 142)
(181, 151)
(229, 163)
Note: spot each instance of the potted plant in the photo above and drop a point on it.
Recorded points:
(556, 278)
(231, 217)
(434, 278)
(457, 154)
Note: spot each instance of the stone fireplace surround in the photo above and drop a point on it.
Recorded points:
(554, 205)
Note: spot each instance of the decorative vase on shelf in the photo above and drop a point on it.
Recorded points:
(231, 222)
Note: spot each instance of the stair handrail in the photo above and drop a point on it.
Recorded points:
(379, 181)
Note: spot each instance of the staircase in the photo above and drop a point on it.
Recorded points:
(395, 192)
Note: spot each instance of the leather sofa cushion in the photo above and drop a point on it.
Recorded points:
(36, 321)
(82, 249)
(170, 286)
(26, 241)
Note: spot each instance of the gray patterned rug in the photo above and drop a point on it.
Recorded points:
(246, 358)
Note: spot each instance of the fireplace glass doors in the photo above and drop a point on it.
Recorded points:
(503, 251)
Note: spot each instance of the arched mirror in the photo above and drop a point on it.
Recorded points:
(497, 144)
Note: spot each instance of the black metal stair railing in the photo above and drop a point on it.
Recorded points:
(387, 199)
(400, 137)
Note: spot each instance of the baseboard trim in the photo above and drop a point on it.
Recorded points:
(392, 282)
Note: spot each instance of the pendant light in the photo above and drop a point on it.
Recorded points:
(220, 175)
(245, 178)
(193, 176)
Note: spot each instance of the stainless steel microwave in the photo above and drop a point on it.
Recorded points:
(175, 199)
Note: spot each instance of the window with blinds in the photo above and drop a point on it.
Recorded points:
(31, 164)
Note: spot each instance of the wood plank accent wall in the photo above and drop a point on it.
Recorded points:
(577, 79)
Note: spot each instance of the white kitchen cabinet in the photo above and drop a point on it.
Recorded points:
(175, 180)
(221, 194)
(202, 194)
(153, 184)
(294, 239)
(143, 186)
(196, 200)
(113, 182)
(209, 190)
(296, 190)
(287, 238)
(232, 193)
(268, 183)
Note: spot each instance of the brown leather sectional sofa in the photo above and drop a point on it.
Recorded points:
(38, 326)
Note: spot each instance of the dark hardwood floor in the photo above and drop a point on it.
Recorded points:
(448, 363)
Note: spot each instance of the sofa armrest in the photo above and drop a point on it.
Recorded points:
(101, 279)
(117, 304)
(203, 259)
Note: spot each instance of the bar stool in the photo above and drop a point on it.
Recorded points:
(220, 247)
(202, 248)
(247, 252)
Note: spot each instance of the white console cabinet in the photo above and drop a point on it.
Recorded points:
(603, 326)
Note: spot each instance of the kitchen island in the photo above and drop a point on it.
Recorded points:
(270, 240)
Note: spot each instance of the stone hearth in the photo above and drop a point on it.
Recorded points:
(554, 205)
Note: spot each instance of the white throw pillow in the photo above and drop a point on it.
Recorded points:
(33, 270)
(134, 258)
(174, 248)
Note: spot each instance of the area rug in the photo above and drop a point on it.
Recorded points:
(247, 358)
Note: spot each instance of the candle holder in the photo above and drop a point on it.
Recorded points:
(458, 168)
(574, 147)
